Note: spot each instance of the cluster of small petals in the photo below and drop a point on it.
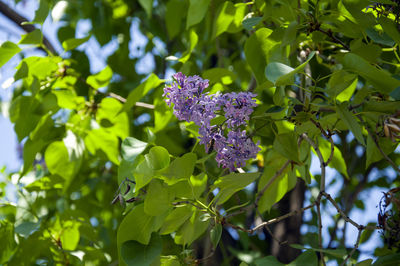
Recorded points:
(238, 108)
(235, 150)
(184, 93)
(191, 104)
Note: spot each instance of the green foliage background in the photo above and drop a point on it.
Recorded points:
(319, 68)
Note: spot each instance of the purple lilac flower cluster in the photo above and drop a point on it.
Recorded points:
(192, 104)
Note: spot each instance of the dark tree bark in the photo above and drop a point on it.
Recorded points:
(289, 229)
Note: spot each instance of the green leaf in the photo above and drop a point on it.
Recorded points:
(196, 12)
(381, 79)
(373, 153)
(137, 225)
(338, 253)
(64, 158)
(7, 243)
(22, 71)
(198, 183)
(307, 258)
(395, 94)
(350, 121)
(221, 75)
(388, 260)
(7, 51)
(135, 253)
(281, 74)
(256, 50)
(232, 183)
(175, 219)
(157, 158)
(268, 260)
(389, 27)
(136, 94)
(379, 37)
(250, 23)
(366, 262)
(224, 18)
(100, 79)
(215, 234)
(109, 117)
(33, 37)
(286, 145)
(284, 183)
(337, 160)
(147, 6)
(339, 82)
(193, 39)
(27, 228)
(174, 14)
(162, 114)
(46, 183)
(100, 139)
(180, 168)
(7, 212)
(41, 13)
(382, 106)
(192, 229)
(70, 235)
(73, 43)
(131, 148)
(143, 174)
(158, 198)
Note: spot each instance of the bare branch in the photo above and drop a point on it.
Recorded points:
(271, 221)
(355, 247)
(344, 216)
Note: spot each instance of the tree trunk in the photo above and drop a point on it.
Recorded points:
(289, 229)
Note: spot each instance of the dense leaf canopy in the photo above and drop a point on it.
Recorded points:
(111, 176)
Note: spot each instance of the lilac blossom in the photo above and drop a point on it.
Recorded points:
(238, 107)
(234, 151)
(192, 104)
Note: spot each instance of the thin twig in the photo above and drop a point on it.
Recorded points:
(271, 221)
(355, 247)
(318, 204)
(344, 216)
(334, 38)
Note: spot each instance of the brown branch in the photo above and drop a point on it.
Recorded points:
(355, 247)
(318, 204)
(344, 216)
(329, 33)
(271, 221)
(18, 20)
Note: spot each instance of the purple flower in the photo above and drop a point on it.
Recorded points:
(238, 108)
(184, 93)
(191, 104)
(234, 151)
